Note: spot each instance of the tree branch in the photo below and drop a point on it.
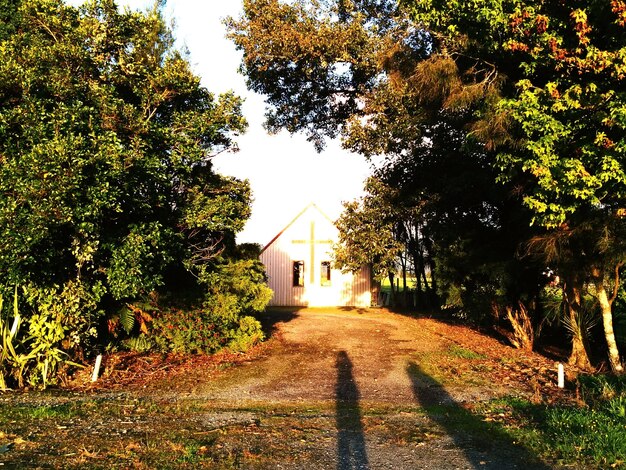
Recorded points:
(47, 28)
(616, 282)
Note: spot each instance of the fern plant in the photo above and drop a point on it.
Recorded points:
(140, 344)
(127, 320)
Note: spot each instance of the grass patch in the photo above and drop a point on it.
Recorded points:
(454, 366)
(108, 433)
(125, 432)
(592, 434)
(195, 452)
(43, 412)
(463, 353)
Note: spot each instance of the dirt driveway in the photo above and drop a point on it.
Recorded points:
(370, 389)
(330, 389)
(314, 349)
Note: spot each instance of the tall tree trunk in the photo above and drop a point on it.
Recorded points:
(375, 286)
(573, 295)
(424, 288)
(405, 300)
(606, 305)
(428, 300)
(416, 253)
(428, 245)
(392, 293)
(418, 278)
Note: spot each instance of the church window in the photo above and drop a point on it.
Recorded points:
(298, 273)
(325, 273)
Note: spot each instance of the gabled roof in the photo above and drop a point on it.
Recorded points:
(309, 206)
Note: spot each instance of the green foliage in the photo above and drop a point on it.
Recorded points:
(599, 390)
(186, 331)
(38, 413)
(119, 144)
(501, 123)
(202, 331)
(245, 335)
(590, 435)
(142, 343)
(234, 290)
(393, 92)
(237, 287)
(328, 54)
(554, 305)
(463, 353)
(366, 233)
(12, 360)
(554, 122)
(72, 310)
(136, 264)
(63, 322)
(37, 350)
(127, 319)
(108, 191)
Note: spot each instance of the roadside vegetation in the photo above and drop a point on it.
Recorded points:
(144, 422)
(117, 431)
(498, 132)
(116, 231)
(499, 202)
(589, 433)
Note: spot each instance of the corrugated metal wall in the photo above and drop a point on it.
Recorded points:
(308, 238)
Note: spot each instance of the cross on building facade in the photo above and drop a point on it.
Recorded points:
(308, 240)
(312, 241)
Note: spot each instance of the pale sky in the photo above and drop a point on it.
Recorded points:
(284, 171)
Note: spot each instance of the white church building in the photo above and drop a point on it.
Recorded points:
(299, 266)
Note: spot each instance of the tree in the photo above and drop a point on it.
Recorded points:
(469, 229)
(366, 235)
(107, 190)
(315, 62)
(535, 91)
(384, 93)
(562, 98)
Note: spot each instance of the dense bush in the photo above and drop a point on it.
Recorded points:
(36, 347)
(107, 191)
(201, 331)
(235, 290)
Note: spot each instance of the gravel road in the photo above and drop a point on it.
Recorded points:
(354, 387)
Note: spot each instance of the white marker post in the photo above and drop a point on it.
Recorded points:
(561, 376)
(96, 368)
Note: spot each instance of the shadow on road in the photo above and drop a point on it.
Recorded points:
(351, 451)
(484, 446)
(359, 310)
(273, 316)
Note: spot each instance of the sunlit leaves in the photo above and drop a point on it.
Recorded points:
(569, 79)
(106, 139)
(315, 61)
(366, 232)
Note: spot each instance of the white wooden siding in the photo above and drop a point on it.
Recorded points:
(309, 238)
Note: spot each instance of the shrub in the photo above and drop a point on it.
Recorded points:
(107, 186)
(246, 335)
(203, 331)
(36, 346)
